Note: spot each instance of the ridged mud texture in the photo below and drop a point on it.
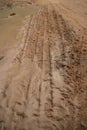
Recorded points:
(48, 90)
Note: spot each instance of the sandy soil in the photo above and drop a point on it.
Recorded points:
(43, 79)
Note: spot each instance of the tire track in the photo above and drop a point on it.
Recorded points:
(72, 70)
(52, 77)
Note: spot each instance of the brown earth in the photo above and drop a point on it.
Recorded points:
(43, 79)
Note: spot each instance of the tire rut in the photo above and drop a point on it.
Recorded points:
(45, 94)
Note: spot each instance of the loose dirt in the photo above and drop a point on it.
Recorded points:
(43, 77)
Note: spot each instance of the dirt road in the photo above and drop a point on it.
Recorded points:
(43, 81)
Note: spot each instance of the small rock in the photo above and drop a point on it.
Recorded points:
(1, 57)
(29, 3)
(12, 14)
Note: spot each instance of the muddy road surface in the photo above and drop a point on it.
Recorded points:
(43, 80)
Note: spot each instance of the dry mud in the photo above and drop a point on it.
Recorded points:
(43, 80)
